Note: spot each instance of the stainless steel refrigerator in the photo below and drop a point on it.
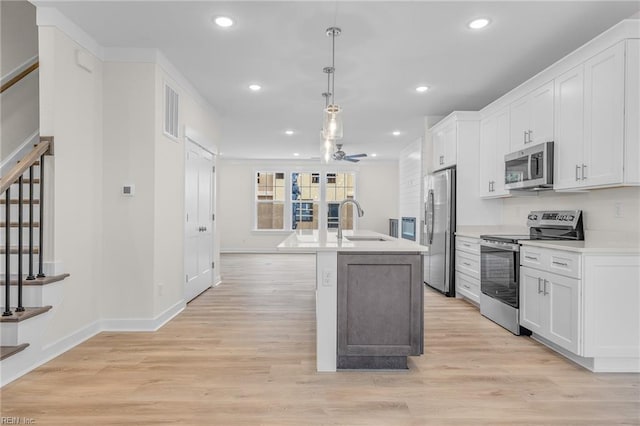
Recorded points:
(439, 228)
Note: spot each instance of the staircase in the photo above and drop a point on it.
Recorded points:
(28, 296)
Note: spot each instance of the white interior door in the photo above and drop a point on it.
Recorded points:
(199, 180)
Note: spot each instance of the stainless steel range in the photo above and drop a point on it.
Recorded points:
(500, 263)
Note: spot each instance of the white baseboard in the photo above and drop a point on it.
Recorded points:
(34, 356)
(596, 365)
(143, 324)
(217, 281)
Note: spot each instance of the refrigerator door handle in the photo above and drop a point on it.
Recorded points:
(431, 208)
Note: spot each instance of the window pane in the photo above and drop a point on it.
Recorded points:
(270, 215)
(270, 186)
(305, 215)
(270, 200)
(305, 193)
(339, 187)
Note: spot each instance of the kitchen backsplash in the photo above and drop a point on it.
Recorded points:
(608, 210)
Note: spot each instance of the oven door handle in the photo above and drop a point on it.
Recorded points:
(500, 246)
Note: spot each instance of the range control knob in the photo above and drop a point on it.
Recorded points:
(532, 217)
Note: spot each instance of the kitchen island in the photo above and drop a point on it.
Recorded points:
(369, 298)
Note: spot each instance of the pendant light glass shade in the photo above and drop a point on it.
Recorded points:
(332, 123)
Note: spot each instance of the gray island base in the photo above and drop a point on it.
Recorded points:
(373, 317)
(380, 309)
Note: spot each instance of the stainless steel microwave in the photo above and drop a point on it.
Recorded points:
(529, 168)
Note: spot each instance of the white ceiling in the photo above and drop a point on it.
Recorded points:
(386, 49)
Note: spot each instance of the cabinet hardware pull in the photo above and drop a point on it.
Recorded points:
(466, 286)
(530, 257)
(489, 186)
(530, 132)
(577, 171)
(584, 167)
(466, 245)
(466, 263)
(539, 280)
(525, 137)
(560, 263)
(545, 288)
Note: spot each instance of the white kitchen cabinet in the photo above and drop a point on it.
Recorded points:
(444, 145)
(632, 113)
(589, 119)
(494, 145)
(467, 267)
(584, 305)
(549, 306)
(532, 118)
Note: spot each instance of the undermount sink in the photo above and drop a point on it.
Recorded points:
(364, 238)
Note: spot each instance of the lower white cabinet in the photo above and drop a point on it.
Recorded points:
(468, 287)
(584, 305)
(549, 306)
(468, 268)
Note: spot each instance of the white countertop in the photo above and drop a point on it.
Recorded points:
(314, 241)
(474, 231)
(594, 243)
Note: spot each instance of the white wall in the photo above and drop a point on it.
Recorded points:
(169, 207)
(71, 104)
(128, 158)
(107, 122)
(410, 177)
(598, 206)
(376, 187)
(19, 104)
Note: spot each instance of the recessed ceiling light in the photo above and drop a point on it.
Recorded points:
(289, 132)
(223, 21)
(422, 89)
(479, 23)
(396, 133)
(255, 87)
(374, 154)
(295, 154)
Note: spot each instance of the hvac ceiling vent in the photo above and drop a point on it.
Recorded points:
(170, 111)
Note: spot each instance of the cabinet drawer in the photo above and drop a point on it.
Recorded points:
(469, 245)
(564, 263)
(468, 287)
(531, 257)
(468, 264)
(555, 261)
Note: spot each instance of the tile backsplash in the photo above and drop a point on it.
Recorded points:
(604, 210)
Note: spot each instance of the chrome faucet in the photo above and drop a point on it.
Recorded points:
(346, 201)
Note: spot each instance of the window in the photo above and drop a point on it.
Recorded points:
(339, 186)
(170, 111)
(305, 197)
(270, 200)
(292, 200)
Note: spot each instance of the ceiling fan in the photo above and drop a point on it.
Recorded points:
(341, 155)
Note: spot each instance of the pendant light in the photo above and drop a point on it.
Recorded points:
(332, 123)
(327, 144)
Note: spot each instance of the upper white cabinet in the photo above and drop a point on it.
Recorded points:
(569, 128)
(494, 145)
(632, 113)
(444, 144)
(589, 121)
(532, 118)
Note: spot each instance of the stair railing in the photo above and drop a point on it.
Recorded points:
(15, 176)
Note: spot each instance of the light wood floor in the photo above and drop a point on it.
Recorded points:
(243, 353)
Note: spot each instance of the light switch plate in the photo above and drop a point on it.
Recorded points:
(128, 190)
